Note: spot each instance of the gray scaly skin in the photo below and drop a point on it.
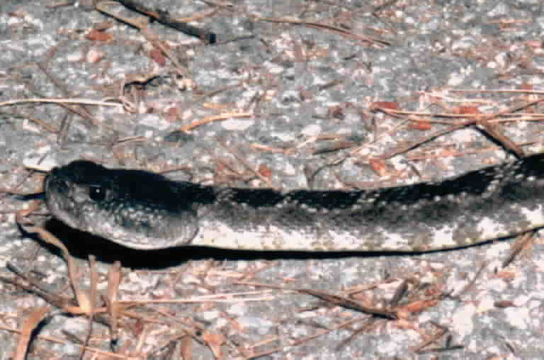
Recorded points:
(143, 210)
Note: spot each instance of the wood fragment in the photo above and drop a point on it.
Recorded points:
(494, 132)
(470, 284)
(349, 303)
(442, 330)
(112, 297)
(146, 32)
(214, 118)
(92, 303)
(522, 242)
(35, 120)
(164, 18)
(320, 26)
(30, 323)
(58, 101)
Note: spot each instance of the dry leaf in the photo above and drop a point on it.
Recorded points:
(466, 110)
(172, 113)
(378, 166)
(157, 56)
(29, 324)
(506, 275)
(419, 305)
(384, 105)
(264, 170)
(97, 35)
(421, 125)
(214, 341)
(504, 303)
(336, 111)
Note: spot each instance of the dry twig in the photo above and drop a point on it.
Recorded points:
(320, 26)
(164, 18)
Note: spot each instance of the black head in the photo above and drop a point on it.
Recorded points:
(134, 208)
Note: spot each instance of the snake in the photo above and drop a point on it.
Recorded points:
(147, 211)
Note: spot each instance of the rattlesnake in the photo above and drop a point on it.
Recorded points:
(143, 210)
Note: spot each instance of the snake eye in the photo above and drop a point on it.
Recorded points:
(97, 193)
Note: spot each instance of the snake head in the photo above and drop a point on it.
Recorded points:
(134, 208)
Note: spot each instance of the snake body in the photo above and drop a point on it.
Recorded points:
(143, 210)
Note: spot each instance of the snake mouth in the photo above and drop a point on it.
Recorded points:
(58, 198)
(55, 187)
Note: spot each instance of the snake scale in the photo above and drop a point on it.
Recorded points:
(143, 210)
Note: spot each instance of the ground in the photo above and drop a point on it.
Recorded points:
(325, 95)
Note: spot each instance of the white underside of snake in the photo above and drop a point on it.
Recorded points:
(143, 210)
